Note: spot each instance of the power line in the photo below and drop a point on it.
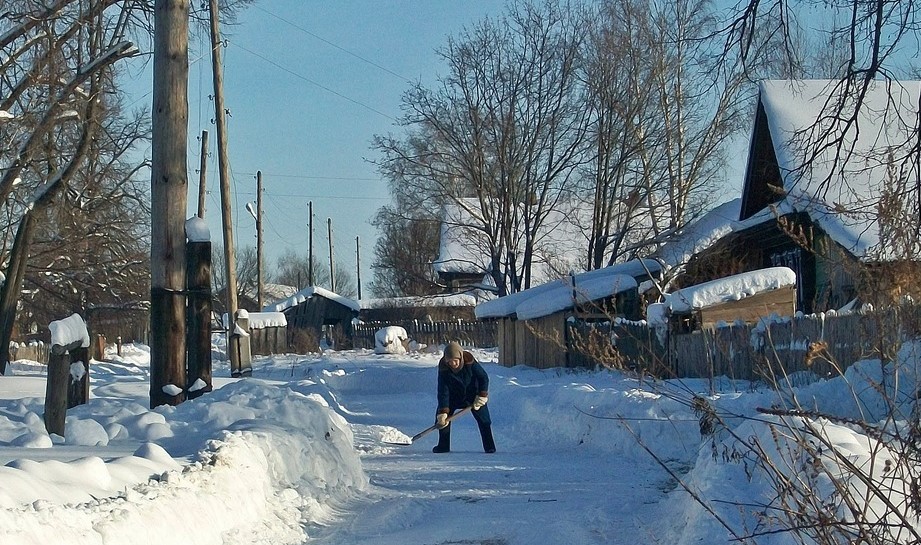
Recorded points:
(314, 196)
(307, 177)
(308, 80)
(331, 44)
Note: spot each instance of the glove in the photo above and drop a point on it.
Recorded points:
(441, 420)
(479, 402)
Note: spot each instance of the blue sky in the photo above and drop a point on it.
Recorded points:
(308, 84)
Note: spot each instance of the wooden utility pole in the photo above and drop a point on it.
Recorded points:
(169, 190)
(198, 343)
(332, 269)
(358, 264)
(230, 263)
(310, 245)
(259, 255)
(202, 175)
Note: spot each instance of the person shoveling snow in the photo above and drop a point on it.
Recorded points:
(462, 383)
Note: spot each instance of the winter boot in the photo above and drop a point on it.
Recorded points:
(489, 446)
(444, 440)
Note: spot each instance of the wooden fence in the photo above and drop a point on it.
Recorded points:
(822, 345)
(468, 333)
(33, 351)
(268, 340)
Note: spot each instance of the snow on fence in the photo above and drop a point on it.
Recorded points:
(33, 351)
(468, 333)
(268, 333)
(820, 344)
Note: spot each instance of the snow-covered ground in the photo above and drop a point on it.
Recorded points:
(299, 453)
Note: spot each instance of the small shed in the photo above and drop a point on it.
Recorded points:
(533, 323)
(315, 314)
(745, 297)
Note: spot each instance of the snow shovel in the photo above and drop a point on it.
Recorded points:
(430, 429)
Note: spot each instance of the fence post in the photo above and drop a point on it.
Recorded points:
(198, 318)
(100, 349)
(57, 387)
(118, 345)
(241, 336)
(79, 388)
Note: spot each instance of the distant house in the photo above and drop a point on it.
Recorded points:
(463, 261)
(249, 299)
(433, 308)
(316, 315)
(822, 220)
(533, 322)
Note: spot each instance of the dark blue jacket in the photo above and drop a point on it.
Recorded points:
(457, 390)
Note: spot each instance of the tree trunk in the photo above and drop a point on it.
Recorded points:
(9, 295)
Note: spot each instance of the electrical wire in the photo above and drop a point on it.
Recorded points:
(331, 44)
(308, 80)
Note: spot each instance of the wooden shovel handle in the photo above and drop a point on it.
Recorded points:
(432, 428)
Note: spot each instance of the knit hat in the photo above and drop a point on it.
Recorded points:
(454, 350)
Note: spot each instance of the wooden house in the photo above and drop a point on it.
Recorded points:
(804, 208)
(316, 315)
(464, 263)
(431, 308)
(533, 322)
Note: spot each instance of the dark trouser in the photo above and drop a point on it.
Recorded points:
(483, 422)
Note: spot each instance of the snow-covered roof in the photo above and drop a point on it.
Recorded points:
(701, 234)
(730, 288)
(886, 123)
(309, 292)
(449, 300)
(558, 294)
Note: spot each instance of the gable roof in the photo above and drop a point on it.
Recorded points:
(306, 294)
(846, 207)
(561, 294)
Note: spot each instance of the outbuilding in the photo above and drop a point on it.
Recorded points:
(533, 323)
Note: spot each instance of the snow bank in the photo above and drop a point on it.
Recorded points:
(390, 340)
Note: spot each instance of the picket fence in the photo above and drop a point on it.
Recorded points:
(468, 333)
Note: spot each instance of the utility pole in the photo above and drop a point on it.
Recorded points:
(332, 270)
(310, 246)
(358, 264)
(202, 176)
(259, 255)
(230, 264)
(169, 190)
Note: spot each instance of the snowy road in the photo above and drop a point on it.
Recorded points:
(537, 489)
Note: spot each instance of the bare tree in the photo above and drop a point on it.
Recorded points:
(57, 62)
(501, 136)
(404, 252)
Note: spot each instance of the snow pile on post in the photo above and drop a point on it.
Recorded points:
(196, 230)
(68, 331)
